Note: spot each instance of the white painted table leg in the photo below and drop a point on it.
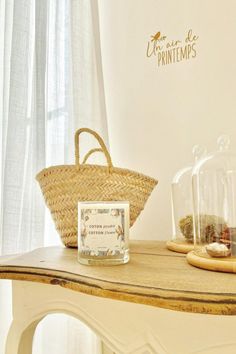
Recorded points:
(20, 339)
(21, 333)
(124, 328)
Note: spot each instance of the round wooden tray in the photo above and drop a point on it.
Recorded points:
(199, 258)
(179, 246)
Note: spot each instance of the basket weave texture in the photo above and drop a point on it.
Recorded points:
(64, 186)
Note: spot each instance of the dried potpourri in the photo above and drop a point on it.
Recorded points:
(212, 228)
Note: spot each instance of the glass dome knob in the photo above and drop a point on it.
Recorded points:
(223, 142)
(198, 151)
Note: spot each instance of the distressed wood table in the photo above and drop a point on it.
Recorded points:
(157, 303)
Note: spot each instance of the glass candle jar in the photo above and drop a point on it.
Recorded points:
(103, 233)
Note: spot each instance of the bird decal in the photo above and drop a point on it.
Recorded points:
(156, 36)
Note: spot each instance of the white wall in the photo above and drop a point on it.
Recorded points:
(156, 114)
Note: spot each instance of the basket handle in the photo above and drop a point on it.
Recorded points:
(101, 143)
(89, 154)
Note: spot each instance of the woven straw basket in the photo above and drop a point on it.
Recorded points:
(63, 186)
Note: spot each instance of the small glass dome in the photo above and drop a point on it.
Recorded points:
(214, 203)
(182, 208)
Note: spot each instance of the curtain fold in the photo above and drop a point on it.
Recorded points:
(18, 127)
(50, 85)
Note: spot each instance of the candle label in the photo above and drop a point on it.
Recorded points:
(103, 228)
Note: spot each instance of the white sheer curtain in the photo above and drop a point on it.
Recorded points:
(50, 85)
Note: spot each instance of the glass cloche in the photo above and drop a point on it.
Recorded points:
(214, 209)
(182, 207)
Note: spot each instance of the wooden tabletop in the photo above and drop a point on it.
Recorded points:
(154, 276)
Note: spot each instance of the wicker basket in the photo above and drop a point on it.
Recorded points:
(63, 186)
